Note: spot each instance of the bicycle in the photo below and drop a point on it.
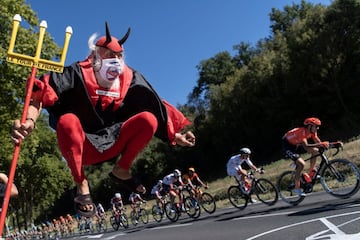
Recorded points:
(339, 178)
(86, 225)
(139, 213)
(158, 211)
(189, 205)
(119, 219)
(101, 224)
(263, 188)
(205, 199)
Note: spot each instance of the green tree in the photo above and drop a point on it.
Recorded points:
(308, 66)
(41, 174)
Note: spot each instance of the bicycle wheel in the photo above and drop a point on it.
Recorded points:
(98, 226)
(207, 202)
(170, 212)
(124, 220)
(340, 178)
(157, 213)
(191, 206)
(265, 191)
(104, 225)
(286, 186)
(101, 225)
(113, 223)
(143, 216)
(133, 218)
(237, 198)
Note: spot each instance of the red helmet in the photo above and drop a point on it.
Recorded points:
(312, 121)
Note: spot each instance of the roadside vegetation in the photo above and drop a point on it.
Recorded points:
(307, 66)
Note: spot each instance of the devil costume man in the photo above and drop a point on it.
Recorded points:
(102, 109)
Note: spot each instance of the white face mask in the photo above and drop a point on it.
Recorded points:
(109, 72)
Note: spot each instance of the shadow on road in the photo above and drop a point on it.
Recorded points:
(326, 208)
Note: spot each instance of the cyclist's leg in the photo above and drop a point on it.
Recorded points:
(173, 195)
(300, 164)
(293, 152)
(313, 151)
(198, 193)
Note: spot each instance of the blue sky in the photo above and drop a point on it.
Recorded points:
(168, 39)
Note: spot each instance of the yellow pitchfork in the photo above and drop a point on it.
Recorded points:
(34, 62)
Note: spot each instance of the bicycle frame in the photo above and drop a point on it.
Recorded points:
(252, 178)
(324, 161)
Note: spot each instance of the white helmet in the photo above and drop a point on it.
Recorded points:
(160, 182)
(177, 173)
(117, 195)
(245, 151)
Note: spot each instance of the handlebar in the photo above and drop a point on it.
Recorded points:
(251, 173)
(338, 145)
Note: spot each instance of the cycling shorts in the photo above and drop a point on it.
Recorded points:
(292, 151)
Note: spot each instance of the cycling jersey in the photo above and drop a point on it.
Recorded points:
(134, 197)
(117, 202)
(297, 136)
(100, 209)
(171, 179)
(156, 188)
(194, 179)
(234, 164)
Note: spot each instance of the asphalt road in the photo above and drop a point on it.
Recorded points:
(319, 216)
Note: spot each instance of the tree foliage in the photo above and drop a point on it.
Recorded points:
(308, 66)
(41, 175)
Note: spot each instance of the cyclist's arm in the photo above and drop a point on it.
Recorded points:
(251, 164)
(141, 199)
(318, 143)
(190, 183)
(201, 182)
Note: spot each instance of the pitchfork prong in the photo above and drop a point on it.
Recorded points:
(36, 60)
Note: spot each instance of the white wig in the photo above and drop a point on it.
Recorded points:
(91, 41)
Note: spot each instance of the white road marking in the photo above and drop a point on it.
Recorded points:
(304, 222)
(114, 236)
(95, 236)
(171, 226)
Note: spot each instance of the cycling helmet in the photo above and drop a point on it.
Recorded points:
(245, 151)
(192, 169)
(117, 195)
(312, 121)
(177, 173)
(160, 182)
(100, 206)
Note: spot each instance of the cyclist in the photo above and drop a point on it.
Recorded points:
(234, 168)
(135, 200)
(193, 180)
(157, 192)
(172, 184)
(69, 222)
(3, 182)
(100, 209)
(100, 212)
(117, 205)
(296, 142)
